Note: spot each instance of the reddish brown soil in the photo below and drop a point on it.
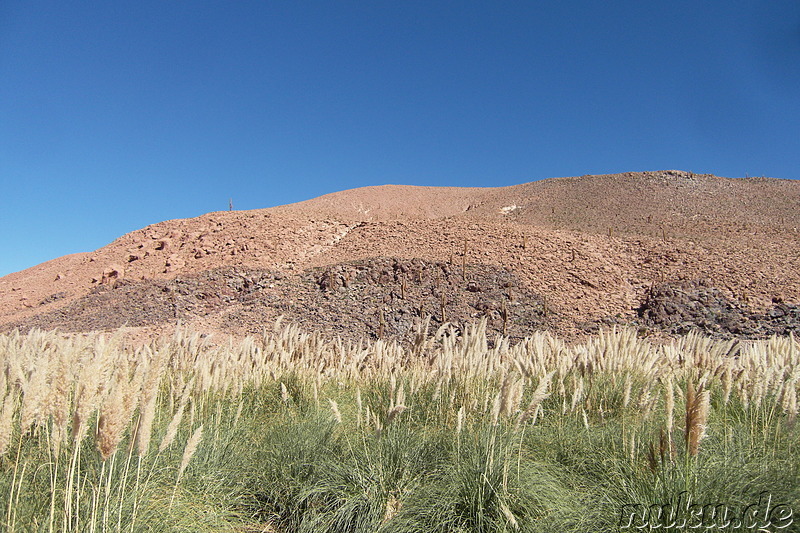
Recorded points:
(565, 254)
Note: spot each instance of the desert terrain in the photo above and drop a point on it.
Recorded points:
(666, 251)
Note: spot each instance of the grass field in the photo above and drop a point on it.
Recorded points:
(290, 432)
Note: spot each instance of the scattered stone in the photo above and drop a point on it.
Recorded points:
(680, 307)
(473, 287)
(112, 273)
(53, 297)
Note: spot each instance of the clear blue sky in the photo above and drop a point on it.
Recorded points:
(115, 115)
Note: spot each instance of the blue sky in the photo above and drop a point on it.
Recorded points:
(115, 115)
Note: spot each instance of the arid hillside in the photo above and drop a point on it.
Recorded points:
(668, 251)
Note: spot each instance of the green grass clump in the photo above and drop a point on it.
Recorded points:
(289, 432)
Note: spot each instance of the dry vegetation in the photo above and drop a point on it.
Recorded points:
(288, 431)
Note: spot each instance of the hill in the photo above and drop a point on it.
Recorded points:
(668, 251)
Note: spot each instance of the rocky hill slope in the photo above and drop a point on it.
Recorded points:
(668, 251)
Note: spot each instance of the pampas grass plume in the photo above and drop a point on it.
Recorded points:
(7, 421)
(172, 429)
(188, 452)
(335, 409)
(112, 421)
(697, 408)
